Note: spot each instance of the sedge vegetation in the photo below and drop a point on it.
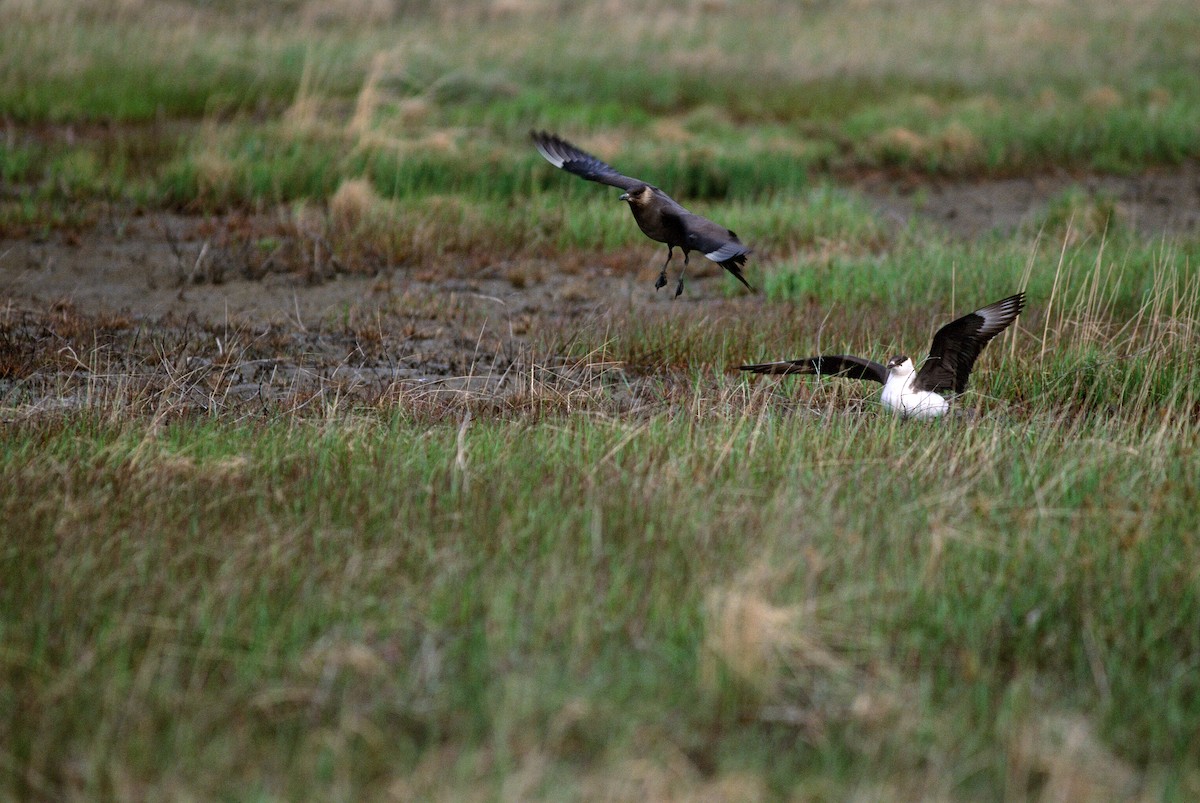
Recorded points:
(620, 570)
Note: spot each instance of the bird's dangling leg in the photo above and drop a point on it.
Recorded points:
(662, 276)
(682, 271)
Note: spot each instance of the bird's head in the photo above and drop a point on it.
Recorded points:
(638, 195)
(900, 366)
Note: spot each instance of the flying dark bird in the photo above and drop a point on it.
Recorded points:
(923, 393)
(658, 215)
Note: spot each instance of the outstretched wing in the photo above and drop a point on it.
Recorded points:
(957, 345)
(825, 365)
(561, 153)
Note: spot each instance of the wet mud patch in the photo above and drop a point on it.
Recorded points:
(58, 359)
(108, 324)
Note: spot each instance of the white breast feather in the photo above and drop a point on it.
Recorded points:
(899, 396)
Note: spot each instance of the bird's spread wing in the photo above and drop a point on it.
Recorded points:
(957, 345)
(717, 243)
(826, 365)
(561, 153)
(662, 219)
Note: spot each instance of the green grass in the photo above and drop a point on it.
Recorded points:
(309, 608)
(735, 586)
(1102, 294)
(655, 576)
(422, 103)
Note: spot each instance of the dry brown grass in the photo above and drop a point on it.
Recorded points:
(1103, 98)
(788, 664)
(216, 170)
(959, 145)
(750, 637)
(1058, 758)
(356, 205)
(900, 145)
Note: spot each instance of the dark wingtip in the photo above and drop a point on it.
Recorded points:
(1016, 298)
(1015, 302)
(545, 138)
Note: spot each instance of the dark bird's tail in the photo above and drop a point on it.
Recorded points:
(735, 264)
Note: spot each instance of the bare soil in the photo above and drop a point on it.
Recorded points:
(182, 313)
(172, 314)
(1163, 201)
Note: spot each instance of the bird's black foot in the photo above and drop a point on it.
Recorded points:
(662, 281)
(679, 288)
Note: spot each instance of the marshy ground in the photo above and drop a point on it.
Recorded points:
(346, 450)
(269, 303)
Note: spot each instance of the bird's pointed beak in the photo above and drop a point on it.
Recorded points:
(624, 197)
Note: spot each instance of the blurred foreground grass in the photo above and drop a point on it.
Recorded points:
(715, 598)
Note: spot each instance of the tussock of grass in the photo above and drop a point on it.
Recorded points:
(1061, 756)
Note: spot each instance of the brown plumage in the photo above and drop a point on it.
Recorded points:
(658, 215)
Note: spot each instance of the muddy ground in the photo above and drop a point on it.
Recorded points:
(1163, 201)
(157, 310)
